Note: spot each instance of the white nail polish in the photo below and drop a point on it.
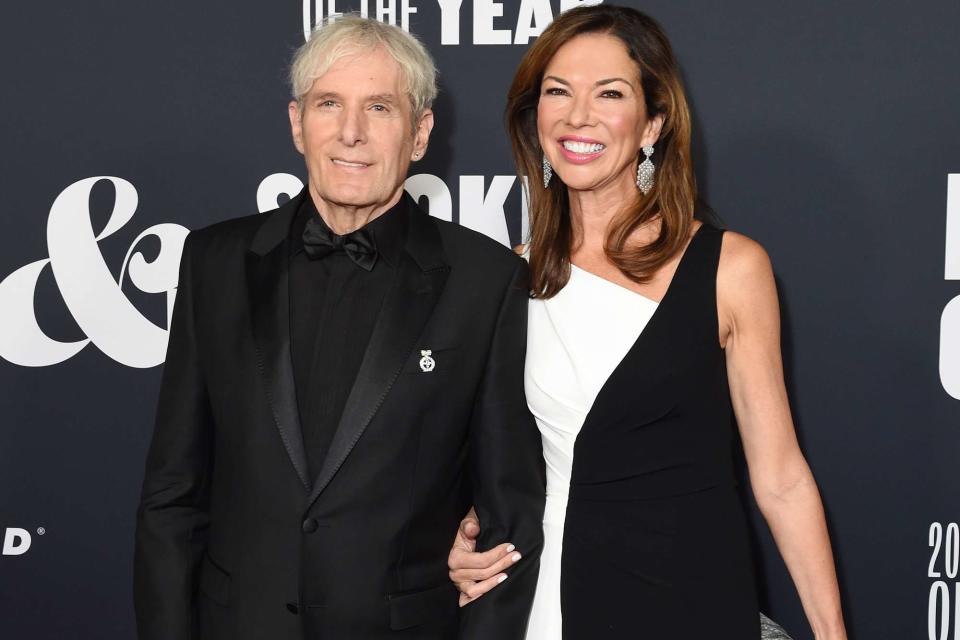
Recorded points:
(511, 548)
(501, 579)
(515, 557)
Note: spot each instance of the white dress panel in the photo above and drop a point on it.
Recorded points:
(575, 340)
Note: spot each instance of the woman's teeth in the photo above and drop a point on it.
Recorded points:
(582, 147)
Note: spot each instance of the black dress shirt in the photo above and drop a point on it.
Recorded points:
(334, 304)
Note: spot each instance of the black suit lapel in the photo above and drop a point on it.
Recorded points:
(421, 276)
(268, 291)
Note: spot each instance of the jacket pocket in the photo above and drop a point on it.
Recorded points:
(415, 608)
(214, 581)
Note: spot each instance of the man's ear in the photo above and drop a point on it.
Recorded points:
(421, 137)
(296, 124)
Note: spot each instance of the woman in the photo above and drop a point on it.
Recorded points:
(645, 325)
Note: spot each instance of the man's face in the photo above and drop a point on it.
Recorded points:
(355, 132)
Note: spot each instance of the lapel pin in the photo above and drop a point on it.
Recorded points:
(427, 363)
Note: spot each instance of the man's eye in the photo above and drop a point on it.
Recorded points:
(326, 104)
(380, 107)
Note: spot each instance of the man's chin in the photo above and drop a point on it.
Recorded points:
(348, 198)
(353, 198)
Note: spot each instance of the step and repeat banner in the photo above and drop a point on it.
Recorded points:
(829, 132)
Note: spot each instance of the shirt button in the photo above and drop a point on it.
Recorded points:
(309, 525)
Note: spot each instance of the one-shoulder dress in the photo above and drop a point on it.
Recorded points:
(645, 535)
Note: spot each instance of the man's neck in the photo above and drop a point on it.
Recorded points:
(342, 219)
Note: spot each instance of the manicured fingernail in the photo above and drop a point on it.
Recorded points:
(515, 557)
(510, 548)
(501, 578)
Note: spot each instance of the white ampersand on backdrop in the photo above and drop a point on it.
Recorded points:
(92, 296)
(96, 301)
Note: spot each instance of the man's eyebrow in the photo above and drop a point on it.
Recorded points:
(326, 95)
(388, 98)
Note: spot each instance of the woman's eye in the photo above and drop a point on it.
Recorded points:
(611, 93)
(555, 91)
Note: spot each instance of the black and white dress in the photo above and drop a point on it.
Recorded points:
(645, 536)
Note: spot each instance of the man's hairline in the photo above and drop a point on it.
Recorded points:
(360, 50)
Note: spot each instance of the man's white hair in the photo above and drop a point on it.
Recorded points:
(352, 34)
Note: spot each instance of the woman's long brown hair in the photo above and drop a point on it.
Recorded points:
(674, 193)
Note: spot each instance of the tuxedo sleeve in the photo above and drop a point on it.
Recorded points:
(172, 518)
(506, 457)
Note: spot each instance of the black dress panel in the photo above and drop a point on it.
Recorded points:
(655, 541)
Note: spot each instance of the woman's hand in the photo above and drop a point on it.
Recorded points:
(475, 573)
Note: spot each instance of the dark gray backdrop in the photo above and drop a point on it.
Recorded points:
(824, 130)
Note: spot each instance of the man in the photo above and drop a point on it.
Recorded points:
(343, 380)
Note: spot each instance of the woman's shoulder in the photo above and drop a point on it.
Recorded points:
(742, 251)
(742, 256)
(737, 251)
(745, 275)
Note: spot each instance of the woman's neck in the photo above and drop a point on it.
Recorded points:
(592, 212)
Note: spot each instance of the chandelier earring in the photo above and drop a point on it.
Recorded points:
(547, 172)
(645, 171)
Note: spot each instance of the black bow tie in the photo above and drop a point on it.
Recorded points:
(319, 241)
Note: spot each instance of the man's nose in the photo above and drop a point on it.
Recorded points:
(353, 128)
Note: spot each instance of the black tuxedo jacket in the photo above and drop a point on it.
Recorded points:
(234, 541)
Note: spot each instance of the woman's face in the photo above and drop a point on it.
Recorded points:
(592, 119)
